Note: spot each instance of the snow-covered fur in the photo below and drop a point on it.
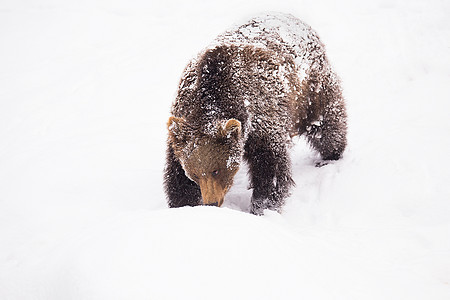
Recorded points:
(258, 85)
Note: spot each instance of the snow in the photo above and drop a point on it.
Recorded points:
(85, 94)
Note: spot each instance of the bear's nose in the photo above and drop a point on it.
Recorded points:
(213, 204)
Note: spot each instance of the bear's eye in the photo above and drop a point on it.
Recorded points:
(195, 177)
(215, 173)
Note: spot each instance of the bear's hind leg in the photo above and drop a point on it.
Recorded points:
(270, 175)
(328, 134)
(180, 190)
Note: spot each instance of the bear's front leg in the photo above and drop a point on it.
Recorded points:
(180, 190)
(270, 174)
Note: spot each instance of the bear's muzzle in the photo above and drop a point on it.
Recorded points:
(212, 192)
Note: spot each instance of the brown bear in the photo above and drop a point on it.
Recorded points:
(244, 98)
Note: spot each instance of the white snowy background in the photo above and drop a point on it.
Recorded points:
(85, 93)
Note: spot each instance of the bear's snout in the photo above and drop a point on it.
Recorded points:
(212, 192)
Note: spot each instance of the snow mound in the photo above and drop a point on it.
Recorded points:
(200, 253)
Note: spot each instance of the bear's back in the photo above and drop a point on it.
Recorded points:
(281, 33)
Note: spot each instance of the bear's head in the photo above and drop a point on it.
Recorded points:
(210, 157)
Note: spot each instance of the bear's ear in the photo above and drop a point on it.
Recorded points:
(176, 128)
(232, 128)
